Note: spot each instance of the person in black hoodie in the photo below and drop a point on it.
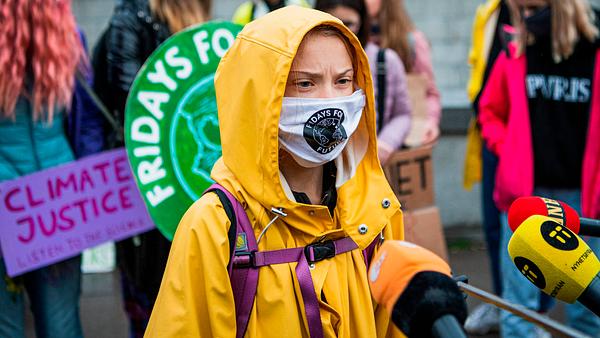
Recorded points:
(136, 29)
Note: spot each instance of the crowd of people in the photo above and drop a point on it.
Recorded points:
(530, 137)
(535, 131)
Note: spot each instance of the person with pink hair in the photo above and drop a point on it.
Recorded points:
(40, 52)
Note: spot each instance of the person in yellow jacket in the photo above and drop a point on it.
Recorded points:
(254, 9)
(297, 120)
(480, 163)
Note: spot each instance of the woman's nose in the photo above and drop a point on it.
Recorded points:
(327, 92)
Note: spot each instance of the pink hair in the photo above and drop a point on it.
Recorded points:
(40, 50)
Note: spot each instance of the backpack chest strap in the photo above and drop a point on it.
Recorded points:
(243, 266)
(315, 252)
(305, 257)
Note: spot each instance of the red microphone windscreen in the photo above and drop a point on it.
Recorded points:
(524, 207)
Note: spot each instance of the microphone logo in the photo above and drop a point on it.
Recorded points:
(531, 271)
(555, 210)
(567, 262)
(559, 236)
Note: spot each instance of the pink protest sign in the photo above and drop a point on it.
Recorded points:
(57, 213)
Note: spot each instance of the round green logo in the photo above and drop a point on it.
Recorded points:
(171, 125)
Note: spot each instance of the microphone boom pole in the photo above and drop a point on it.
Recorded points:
(523, 312)
(590, 227)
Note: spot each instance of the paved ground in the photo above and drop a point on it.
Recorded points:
(101, 307)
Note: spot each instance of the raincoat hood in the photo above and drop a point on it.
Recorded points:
(250, 84)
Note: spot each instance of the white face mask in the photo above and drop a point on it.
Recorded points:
(315, 131)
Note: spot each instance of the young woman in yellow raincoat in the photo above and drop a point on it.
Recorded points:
(297, 121)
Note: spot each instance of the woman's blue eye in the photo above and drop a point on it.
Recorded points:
(303, 84)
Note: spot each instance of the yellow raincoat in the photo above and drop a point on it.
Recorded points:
(196, 298)
(484, 27)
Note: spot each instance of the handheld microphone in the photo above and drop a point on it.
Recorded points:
(416, 288)
(557, 261)
(523, 207)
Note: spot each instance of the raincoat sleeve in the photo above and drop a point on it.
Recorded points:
(195, 297)
(493, 106)
(478, 53)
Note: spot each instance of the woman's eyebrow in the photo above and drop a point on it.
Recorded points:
(303, 73)
(317, 75)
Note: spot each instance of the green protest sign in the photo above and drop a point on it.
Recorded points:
(171, 126)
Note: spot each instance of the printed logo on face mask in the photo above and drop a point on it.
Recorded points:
(316, 138)
(324, 131)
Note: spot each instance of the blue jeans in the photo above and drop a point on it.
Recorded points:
(491, 216)
(54, 296)
(517, 289)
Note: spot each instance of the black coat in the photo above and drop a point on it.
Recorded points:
(131, 37)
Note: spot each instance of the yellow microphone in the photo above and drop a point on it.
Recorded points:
(557, 261)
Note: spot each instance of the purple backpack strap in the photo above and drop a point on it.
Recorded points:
(244, 280)
(305, 257)
(243, 267)
(313, 253)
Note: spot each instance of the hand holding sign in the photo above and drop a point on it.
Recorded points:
(55, 214)
(171, 127)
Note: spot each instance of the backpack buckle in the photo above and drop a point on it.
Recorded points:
(319, 251)
(244, 259)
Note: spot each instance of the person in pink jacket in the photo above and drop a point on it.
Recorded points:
(393, 121)
(540, 114)
(393, 28)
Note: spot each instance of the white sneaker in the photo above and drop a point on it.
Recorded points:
(484, 319)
